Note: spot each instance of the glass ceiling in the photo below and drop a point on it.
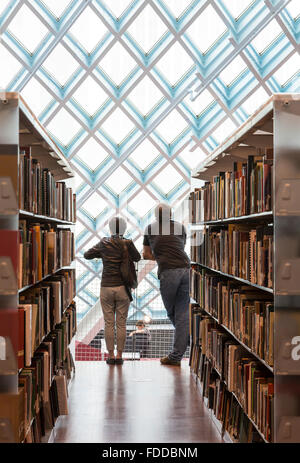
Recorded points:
(137, 92)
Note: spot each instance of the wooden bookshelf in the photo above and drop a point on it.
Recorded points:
(242, 218)
(43, 218)
(241, 280)
(275, 126)
(20, 128)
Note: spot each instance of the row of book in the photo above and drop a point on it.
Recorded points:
(42, 394)
(41, 309)
(244, 376)
(238, 250)
(222, 403)
(39, 193)
(247, 189)
(43, 249)
(46, 392)
(245, 311)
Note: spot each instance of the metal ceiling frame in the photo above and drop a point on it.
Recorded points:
(203, 74)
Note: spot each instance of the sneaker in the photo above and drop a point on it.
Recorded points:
(168, 361)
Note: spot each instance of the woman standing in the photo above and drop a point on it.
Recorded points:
(113, 295)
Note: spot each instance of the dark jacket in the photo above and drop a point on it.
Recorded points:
(110, 251)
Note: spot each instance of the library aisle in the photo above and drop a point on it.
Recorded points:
(137, 402)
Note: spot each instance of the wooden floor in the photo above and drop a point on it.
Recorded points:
(140, 401)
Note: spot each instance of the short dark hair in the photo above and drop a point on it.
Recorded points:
(117, 226)
(140, 323)
(163, 212)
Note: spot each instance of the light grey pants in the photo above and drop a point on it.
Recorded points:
(115, 304)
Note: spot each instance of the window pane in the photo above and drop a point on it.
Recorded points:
(90, 96)
(231, 72)
(255, 100)
(144, 154)
(57, 8)
(92, 154)
(177, 7)
(117, 7)
(60, 64)
(142, 203)
(11, 68)
(167, 179)
(175, 63)
(172, 126)
(94, 205)
(117, 63)
(206, 29)
(64, 127)
(147, 29)
(237, 7)
(118, 126)
(202, 101)
(224, 130)
(289, 69)
(145, 95)
(36, 96)
(266, 36)
(27, 29)
(119, 180)
(88, 29)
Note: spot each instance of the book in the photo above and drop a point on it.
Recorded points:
(246, 189)
(40, 193)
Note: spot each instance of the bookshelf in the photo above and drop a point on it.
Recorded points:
(37, 313)
(272, 132)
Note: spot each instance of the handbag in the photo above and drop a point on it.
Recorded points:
(127, 269)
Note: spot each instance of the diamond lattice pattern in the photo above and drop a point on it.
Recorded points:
(136, 93)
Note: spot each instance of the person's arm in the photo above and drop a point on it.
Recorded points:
(133, 252)
(93, 253)
(147, 253)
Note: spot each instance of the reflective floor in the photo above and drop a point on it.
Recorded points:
(140, 401)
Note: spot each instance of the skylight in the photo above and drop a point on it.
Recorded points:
(92, 154)
(231, 72)
(224, 130)
(177, 7)
(118, 7)
(202, 101)
(117, 126)
(119, 180)
(94, 205)
(37, 97)
(57, 8)
(90, 96)
(211, 26)
(263, 40)
(145, 95)
(64, 127)
(61, 65)
(289, 69)
(147, 29)
(144, 155)
(237, 7)
(142, 203)
(27, 29)
(11, 68)
(167, 179)
(172, 126)
(117, 63)
(88, 30)
(175, 63)
(255, 101)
